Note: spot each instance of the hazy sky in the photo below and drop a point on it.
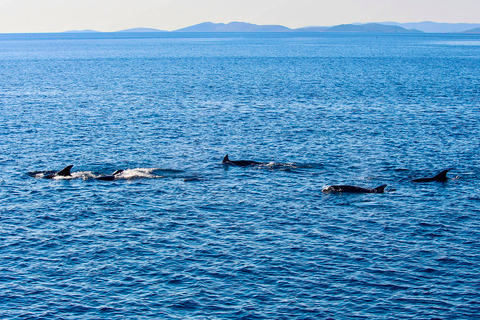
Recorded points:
(113, 15)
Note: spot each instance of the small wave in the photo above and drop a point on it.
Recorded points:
(127, 174)
(187, 304)
(288, 166)
(85, 175)
(39, 174)
(192, 179)
(138, 173)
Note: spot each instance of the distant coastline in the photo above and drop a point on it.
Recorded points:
(382, 27)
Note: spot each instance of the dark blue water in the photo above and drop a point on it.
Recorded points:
(180, 236)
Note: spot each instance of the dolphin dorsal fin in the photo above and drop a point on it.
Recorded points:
(381, 188)
(442, 176)
(225, 160)
(65, 172)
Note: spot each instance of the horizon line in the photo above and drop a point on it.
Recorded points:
(222, 23)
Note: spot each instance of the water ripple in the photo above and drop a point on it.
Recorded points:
(180, 236)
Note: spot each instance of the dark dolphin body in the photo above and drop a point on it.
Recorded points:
(65, 172)
(353, 189)
(109, 177)
(441, 177)
(240, 163)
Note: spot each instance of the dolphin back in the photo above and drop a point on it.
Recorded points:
(442, 176)
(240, 163)
(380, 189)
(110, 177)
(353, 189)
(106, 178)
(65, 172)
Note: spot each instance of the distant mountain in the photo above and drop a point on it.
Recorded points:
(382, 27)
(435, 27)
(233, 27)
(142, 30)
(369, 27)
(248, 27)
(472, 31)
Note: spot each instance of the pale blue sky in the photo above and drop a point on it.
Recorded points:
(113, 15)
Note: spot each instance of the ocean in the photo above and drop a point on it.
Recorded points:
(179, 235)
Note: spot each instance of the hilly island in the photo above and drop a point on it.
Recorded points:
(383, 27)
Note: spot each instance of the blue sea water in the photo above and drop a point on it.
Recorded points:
(180, 236)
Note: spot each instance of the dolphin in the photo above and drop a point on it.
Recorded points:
(109, 177)
(441, 177)
(353, 189)
(240, 163)
(65, 172)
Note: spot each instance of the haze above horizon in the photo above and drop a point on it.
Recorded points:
(31, 16)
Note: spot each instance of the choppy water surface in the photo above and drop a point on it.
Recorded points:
(180, 236)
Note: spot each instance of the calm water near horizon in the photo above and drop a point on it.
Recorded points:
(179, 235)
